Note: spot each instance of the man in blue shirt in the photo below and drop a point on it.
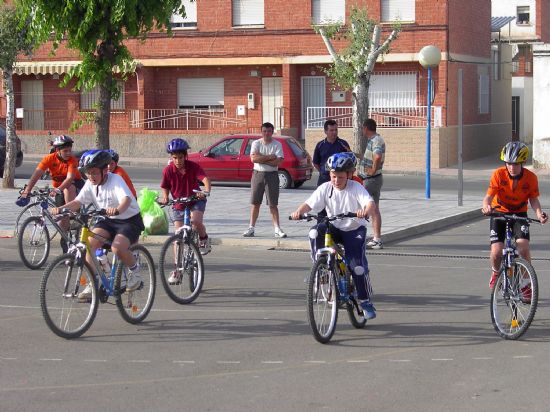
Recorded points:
(330, 145)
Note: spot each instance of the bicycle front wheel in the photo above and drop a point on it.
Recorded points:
(33, 242)
(322, 300)
(514, 302)
(181, 269)
(134, 306)
(68, 297)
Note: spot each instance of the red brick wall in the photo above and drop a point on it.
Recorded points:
(470, 27)
(543, 16)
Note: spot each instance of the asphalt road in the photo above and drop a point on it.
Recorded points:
(245, 343)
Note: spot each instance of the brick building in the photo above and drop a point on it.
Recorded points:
(232, 64)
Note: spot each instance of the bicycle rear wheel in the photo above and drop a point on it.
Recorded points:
(513, 305)
(66, 314)
(322, 300)
(181, 269)
(134, 306)
(33, 242)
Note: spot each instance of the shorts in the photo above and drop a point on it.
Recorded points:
(497, 234)
(60, 197)
(374, 186)
(179, 215)
(131, 228)
(258, 185)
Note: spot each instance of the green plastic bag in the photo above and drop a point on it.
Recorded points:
(155, 219)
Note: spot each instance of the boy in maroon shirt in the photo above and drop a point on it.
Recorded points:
(179, 179)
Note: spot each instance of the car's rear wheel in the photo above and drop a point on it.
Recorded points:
(284, 180)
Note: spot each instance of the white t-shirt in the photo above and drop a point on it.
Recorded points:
(109, 194)
(274, 147)
(352, 198)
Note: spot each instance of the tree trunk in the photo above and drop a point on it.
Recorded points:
(11, 142)
(360, 100)
(103, 114)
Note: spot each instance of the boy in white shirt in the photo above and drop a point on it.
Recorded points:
(124, 224)
(343, 195)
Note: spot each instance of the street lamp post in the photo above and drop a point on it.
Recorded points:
(429, 57)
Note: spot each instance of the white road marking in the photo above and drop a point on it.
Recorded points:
(522, 356)
(183, 361)
(50, 359)
(8, 358)
(95, 360)
(442, 359)
(315, 361)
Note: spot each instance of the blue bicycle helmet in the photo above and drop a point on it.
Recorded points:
(342, 162)
(114, 155)
(177, 145)
(94, 158)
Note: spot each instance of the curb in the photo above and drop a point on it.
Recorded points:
(388, 238)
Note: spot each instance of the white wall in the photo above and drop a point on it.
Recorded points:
(541, 108)
(523, 88)
(501, 8)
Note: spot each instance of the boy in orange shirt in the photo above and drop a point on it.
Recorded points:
(511, 188)
(118, 170)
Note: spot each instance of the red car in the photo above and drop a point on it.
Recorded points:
(228, 160)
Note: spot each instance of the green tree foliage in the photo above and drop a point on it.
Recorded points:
(354, 65)
(14, 40)
(97, 29)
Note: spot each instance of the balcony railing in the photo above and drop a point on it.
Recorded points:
(384, 116)
(132, 119)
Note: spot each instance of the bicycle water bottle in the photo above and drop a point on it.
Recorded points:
(103, 260)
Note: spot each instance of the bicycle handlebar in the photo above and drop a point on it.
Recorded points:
(310, 216)
(37, 192)
(512, 216)
(186, 199)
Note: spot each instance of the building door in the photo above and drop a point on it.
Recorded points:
(272, 101)
(32, 100)
(314, 112)
(515, 117)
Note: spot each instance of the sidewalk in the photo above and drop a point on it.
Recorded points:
(404, 212)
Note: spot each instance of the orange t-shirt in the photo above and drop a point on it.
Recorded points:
(122, 173)
(357, 179)
(59, 169)
(508, 199)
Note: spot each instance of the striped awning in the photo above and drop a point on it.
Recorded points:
(498, 23)
(43, 67)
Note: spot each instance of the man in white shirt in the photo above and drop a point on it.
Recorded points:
(266, 154)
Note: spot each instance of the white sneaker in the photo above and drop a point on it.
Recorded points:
(175, 278)
(249, 232)
(134, 281)
(204, 246)
(86, 294)
(279, 233)
(375, 244)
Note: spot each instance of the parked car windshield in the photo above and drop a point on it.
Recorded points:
(227, 147)
(296, 148)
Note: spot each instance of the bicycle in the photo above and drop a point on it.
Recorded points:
(33, 238)
(184, 283)
(330, 285)
(66, 311)
(514, 297)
